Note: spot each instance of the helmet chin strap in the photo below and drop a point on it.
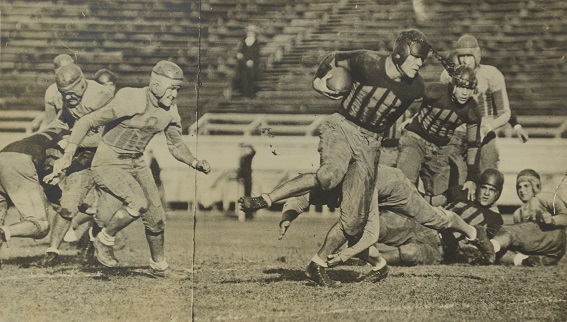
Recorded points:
(399, 68)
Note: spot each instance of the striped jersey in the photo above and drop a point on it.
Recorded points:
(375, 101)
(439, 116)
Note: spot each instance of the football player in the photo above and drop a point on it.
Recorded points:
(423, 145)
(131, 120)
(405, 217)
(80, 97)
(383, 88)
(23, 164)
(492, 99)
(538, 232)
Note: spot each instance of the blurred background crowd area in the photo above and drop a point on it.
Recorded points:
(526, 40)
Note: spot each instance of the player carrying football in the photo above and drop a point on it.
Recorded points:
(383, 88)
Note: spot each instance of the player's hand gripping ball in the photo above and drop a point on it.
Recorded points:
(340, 80)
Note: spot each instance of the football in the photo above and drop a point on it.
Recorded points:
(341, 81)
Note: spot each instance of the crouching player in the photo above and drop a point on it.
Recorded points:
(538, 232)
(22, 166)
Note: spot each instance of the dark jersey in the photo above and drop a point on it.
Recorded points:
(439, 116)
(473, 212)
(42, 147)
(375, 101)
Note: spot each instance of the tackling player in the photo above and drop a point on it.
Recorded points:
(22, 166)
(423, 145)
(538, 232)
(131, 120)
(383, 88)
(396, 194)
(80, 97)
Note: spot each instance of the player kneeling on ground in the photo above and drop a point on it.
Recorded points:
(538, 232)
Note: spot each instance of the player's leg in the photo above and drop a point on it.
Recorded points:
(436, 218)
(19, 179)
(125, 187)
(74, 188)
(529, 238)
(438, 171)
(489, 156)
(154, 222)
(334, 150)
(411, 156)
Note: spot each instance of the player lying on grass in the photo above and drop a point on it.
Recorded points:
(538, 232)
(23, 164)
(410, 243)
(397, 194)
(131, 120)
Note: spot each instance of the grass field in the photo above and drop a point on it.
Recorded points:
(242, 272)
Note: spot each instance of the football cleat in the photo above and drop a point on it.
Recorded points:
(88, 253)
(50, 259)
(252, 203)
(104, 254)
(317, 274)
(157, 272)
(375, 276)
(488, 256)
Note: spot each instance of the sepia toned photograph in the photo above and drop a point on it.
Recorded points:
(283, 160)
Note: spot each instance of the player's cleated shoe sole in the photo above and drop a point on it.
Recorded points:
(318, 274)
(484, 246)
(104, 254)
(375, 276)
(252, 203)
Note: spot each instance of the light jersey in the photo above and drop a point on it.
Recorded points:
(439, 116)
(490, 94)
(375, 101)
(53, 102)
(543, 202)
(137, 121)
(95, 97)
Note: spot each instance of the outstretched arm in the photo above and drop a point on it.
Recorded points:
(180, 151)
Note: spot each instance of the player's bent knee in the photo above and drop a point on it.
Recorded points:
(329, 177)
(41, 227)
(155, 228)
(135, 213)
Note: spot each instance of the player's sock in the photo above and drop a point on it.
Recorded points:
(53, 250)
(381, 263)
(95, 229)
(519, 258)
(105, 238)
(160, 266)
(496, 245)
(7, 232)
(317, 260)
(267, 199)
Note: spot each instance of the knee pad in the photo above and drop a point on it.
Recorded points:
(155, 229)
(329, 177)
